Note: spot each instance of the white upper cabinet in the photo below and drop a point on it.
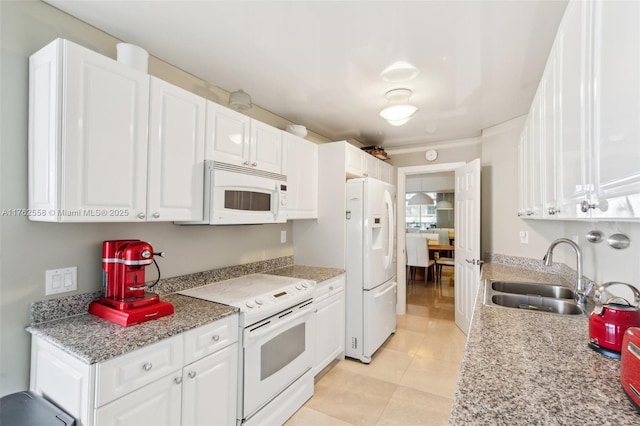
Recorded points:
(386, 172)
(362, 164)
(266, 151)
(584, 125)
(236, 139)
(108, 145)
(573, 52)
(302, 177)
(355, 164)
(616, 110)
(176, 153)
(88, 118)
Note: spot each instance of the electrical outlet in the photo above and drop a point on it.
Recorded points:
(61, 280)
(524, 237)
(283, 237)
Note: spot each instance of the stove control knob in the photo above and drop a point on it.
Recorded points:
(305, 284)
(258, 301)
(298, 287)
(249, 304)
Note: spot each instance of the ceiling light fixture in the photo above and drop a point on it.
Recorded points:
(239, 100)
(399, 110)
(398, 72)
(421, 199)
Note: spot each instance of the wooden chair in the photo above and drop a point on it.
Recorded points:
(444, 261)
(418, 256)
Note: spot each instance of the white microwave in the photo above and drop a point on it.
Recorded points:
(237, 195)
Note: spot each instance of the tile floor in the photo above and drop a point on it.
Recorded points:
(412, 377)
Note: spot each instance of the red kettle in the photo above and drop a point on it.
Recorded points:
(610, 319)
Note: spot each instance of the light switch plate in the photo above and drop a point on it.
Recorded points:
(61, 280)
(524, 237)
(283, 237)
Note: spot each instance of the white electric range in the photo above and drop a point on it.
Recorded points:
(276, 313)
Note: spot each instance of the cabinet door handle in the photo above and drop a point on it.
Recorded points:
(192, 374)
(156, 215)
(254, 164)
(141, 215)
(216, 337)
(245, 163)
(178, 380)
(147, 366)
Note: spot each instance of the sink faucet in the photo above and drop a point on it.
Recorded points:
(581, 295)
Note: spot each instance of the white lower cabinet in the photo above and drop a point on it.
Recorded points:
(156, 404)
(330, 322)
(209, 389)
(188, 379)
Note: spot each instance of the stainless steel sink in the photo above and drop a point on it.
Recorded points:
(538, 289)
(538, 297)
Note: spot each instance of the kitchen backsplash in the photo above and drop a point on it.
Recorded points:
(77, 304)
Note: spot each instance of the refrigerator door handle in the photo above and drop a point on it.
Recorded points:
(390, 229)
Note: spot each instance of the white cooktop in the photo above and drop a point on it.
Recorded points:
(257, 294)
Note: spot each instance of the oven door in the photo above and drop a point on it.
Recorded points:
(239, 198)
(277, 351)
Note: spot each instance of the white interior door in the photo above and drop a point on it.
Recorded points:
(467, 196)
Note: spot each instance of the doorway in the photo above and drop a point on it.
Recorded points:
(403, 172)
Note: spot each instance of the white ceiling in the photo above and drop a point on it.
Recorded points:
(318, 63)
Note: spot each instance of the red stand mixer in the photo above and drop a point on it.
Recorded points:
(125, 300)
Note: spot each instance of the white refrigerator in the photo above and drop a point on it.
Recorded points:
(371, 266)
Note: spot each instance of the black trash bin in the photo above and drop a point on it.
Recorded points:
(30, 409)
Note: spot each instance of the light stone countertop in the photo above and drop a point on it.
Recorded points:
(527, 368)
(313, 273)
(93, 339)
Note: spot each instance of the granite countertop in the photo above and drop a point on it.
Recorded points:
(312, 273)
(522, 367)
(93, 339)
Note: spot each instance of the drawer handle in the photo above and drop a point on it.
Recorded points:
(216, 337)
(178, 380)
(192, 374)
(147, 366)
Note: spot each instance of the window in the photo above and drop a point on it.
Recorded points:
(420, 217)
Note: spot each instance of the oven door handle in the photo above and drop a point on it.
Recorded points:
(280, 323)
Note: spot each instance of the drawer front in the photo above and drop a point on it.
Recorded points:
(130, 371)
(330, 287)
(210, 338)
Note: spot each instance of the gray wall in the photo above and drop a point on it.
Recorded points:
(27, 248)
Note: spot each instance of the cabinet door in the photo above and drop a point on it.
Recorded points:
(616, 110)
(176, 153)
(266, 147)
(155, 404)
(573, 85)
(227, 138)
(371, 166)
(330, 326)
(104, 137)
(534, 153)
(523, 171)
(209, 392)
(302, 177)
(354, 161)
(386, 172)
(549, 137)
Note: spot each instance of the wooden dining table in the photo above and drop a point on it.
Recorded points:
(449, 248)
